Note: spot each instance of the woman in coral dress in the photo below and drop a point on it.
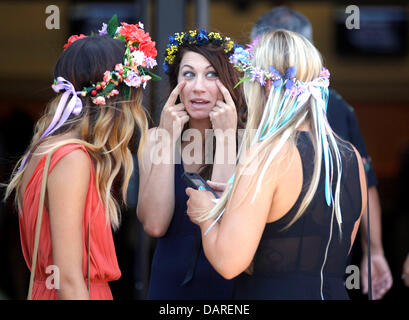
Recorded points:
(88, 127)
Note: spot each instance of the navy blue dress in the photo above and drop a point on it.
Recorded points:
(180, 269)
(287, 264)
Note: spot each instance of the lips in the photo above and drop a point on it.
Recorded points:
(199, 103)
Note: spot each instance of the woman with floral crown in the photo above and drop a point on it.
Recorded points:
(204, 111)
(292, 209)
(86, 129)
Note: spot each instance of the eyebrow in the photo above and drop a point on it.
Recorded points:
(188, 65)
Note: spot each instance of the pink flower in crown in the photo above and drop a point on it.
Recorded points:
(114, 92)
(325, 73)
(107, 76)
(99, 100)
(145, 80)
(120, 68)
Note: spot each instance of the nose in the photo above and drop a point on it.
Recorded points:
(199, 85)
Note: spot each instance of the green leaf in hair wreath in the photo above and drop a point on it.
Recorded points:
(109, 87)
(126, 92)
(155, 77)
(241, 81)
(112, 26)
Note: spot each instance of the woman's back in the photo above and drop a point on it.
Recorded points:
(289, 264)
(103, 263)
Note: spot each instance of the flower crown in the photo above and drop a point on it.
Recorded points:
(241, 60)
(196, 37)
(140, 54)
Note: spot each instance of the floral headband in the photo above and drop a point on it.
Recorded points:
(241, 59)
(140, 54)
(196, 37)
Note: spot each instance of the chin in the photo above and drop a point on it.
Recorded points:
(198, 114)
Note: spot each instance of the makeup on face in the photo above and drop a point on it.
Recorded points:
(201, 91)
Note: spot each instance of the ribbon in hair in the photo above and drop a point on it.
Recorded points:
(64, 109)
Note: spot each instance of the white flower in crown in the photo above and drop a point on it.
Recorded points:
(138, 57)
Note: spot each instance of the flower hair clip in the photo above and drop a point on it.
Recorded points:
(196, 37)
(140, 54)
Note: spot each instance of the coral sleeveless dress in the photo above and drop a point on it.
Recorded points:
(103, 262)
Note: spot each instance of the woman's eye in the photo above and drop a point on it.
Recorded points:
(212, 74)
(188, 74)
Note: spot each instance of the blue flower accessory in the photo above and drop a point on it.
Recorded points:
(196, 37)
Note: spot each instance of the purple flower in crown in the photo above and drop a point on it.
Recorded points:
(258, 75)
(132, 79)
(251, 46)
(103, 31)
(325, 73)
(150, 62)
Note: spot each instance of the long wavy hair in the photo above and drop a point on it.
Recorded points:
(228, 76)
(282, 49)
(105, 130)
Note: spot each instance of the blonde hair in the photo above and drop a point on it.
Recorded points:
(281, 49)
(105, 131)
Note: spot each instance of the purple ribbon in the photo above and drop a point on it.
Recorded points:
(63, 111)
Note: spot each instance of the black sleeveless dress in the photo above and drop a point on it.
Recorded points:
(180, 270)
(293, 264)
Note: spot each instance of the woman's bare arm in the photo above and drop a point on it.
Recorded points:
(156, 199)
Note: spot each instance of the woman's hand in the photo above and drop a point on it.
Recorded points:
(199, 201)
(224, 115)
(174, 117)
(381, 275)
(217, 187)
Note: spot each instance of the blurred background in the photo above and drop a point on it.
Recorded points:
(369, 68)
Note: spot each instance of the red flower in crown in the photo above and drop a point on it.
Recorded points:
(148, 48)
(132, 32)
(72, 39)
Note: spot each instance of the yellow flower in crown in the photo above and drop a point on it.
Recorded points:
(215, 35)
(195, 37)
(229, 46)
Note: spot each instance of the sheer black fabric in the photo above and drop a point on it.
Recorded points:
(288, 264)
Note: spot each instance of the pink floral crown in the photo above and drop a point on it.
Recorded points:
(140, 54)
